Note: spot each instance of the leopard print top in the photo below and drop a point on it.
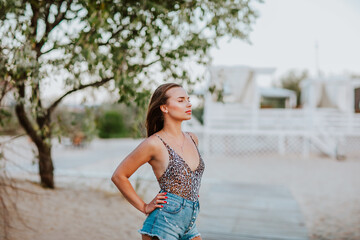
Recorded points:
(178, 178)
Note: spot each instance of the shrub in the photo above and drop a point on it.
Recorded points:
(111, 125)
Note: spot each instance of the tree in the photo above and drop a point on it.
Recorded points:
(105, 43)
(292, 80)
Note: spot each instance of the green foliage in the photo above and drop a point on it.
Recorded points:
(273, 102)
(199, 113)
(105, 121)
(8, 122)
(218, 92)
(292, 80)
(115, 41)
(4, 116)
(129, 120)
(111, 125)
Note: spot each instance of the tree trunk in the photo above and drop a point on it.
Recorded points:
(42, 142)
(46, 168)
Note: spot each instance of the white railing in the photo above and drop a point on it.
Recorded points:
(233, 129)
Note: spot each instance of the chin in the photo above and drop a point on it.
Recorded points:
(184, 118)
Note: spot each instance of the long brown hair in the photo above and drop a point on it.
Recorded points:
(155, 117)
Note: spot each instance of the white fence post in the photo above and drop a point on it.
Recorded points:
(306, 145)
(281, 144)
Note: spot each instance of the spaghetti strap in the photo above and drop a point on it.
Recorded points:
(192, 138)
(166, 145)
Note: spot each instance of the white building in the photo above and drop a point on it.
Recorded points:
(238, 125)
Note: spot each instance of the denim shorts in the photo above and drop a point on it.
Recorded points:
(174, 221)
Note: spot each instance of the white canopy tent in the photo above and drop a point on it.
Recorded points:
(335, 92)
(240, 85)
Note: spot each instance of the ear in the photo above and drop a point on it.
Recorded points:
(163, 108)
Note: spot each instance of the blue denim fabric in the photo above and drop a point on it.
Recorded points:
(174, 221)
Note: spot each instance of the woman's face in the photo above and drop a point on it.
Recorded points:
(178, 105)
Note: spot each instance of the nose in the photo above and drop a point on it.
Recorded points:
(189, 103)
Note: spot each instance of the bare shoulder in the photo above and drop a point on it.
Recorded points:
(152, 142)
(146, 151)
(193, 135)
(155, 146)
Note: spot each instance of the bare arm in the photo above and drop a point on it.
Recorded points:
(141, 155)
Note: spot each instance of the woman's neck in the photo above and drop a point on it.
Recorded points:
(173, 129)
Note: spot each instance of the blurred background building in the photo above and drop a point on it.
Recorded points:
(254, 120)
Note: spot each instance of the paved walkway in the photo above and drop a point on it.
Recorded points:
(234, 211)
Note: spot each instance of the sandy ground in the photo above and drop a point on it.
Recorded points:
(70, 213)
(327, 190)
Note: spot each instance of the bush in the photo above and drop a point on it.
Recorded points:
(111, 125)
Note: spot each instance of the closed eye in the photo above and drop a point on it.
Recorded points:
(181, 99)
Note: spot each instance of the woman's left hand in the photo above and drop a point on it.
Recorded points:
(155, 203)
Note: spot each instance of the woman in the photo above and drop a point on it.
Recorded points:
(177, 165)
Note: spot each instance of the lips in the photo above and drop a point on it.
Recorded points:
(188, 111)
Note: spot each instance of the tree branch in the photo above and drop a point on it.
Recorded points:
(5, 89)
(149, 64)
(94, 84)
(47, 11)
(53, 48)
(60, 16)
(23, 118)
(34, 19)
(50, 26)
(122, 28)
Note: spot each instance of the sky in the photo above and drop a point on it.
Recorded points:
(285, 37)
(286, 34)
